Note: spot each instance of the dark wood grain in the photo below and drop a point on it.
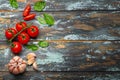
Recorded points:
(84, 42)
(62, 76)
(71, 56)
(77, 25)
(61, 5)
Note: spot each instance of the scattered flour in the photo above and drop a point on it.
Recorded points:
(107, 42)
(82, 4)
(72, 37)
(97, 51)
(7, 51)
(80, 37)
(79, 4)
(51, 57)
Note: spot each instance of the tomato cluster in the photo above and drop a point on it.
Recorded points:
(22, 33)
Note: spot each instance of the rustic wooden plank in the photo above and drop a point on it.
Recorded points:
(62, 76)
(77, 25)
(71, 56)
(61, 5)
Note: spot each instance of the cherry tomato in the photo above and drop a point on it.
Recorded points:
(10, 32)
(30, 17)
(27, 10)
(16, 47)
(20, 26)
(23, 38)
(33, 31)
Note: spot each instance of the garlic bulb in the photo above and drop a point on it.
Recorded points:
(17, 65)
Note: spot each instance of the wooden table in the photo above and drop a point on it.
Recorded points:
(84, 42)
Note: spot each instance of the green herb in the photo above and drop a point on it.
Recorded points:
(28, 46)
(49, 19)
(41, 20)
(39, 5)
(14, 3)
(33, 47)
(43, 44)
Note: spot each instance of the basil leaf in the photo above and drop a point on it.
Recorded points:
(43, 44)
(39, 5)
(28, 46)
(33, 47)
(14, 3)
(41, 20)
(49, 19)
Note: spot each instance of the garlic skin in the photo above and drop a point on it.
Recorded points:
(31, 55)
(35, 66)
(31, 58)
(17, 65)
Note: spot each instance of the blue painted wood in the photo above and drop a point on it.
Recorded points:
(61, 5)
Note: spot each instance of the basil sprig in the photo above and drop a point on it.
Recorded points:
(49, 19)
(14, 3)
(34, 47)
(43, 44)
(46, 19)
(41, 20)
(39, 5)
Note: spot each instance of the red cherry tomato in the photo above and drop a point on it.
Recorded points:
(20, 26)
(30, 17)
(10, 32)
(23, 38)
(27, 10)
(33, 31)
(16, 47)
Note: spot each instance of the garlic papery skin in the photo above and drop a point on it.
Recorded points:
(31, 58)
(35, 66)
(17, 65)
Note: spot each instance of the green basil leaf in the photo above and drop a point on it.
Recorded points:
(41, 20)
(49, 19)
(39, 5)
(29, 46)
(43, 44)
(14, 3)
(33, 47)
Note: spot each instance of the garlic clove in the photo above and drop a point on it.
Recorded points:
(31, 55)
(12, 61)
(15, 71)
(14, 64)
(24, 62)
(23, 66)
(16, 58)
(31, 61)
(35, 66)
(11, 68)
(20, 60)
(22, 69)
(19, 63)
(9, 64)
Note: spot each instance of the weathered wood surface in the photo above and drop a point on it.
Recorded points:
(85, 37)
(71, 56)
(62, 76)
(77, 25)
(61, 5)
